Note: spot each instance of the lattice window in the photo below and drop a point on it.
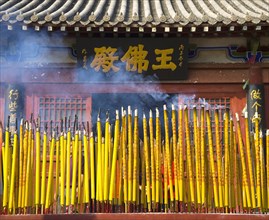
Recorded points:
(210, 103)
(55, 108)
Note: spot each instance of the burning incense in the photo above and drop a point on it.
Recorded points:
(99, 158)
(124, 161)
(158, 159)
(43, 175)
(6, 167)
(175, 155)
(92, 168)
(13, 168)
(130, 155)
(28, 167)
(181, 157)
(167, 150)
(258, 166)
(211, 156)
(203, 157)
(106, 183)
(243, 164)
(197, 155)
(263, 178)
(219, 158)
(63, 165)
(68, 172)
(57, 170)
(226, 159)
(79, 201)
(152, 159)
(37, 169)
(74, 169)
(86, 169)
(146, 152)
(114, 158)
(249, 162)
(267, 162)
(135, 163)
(50, 176)
(189, 157)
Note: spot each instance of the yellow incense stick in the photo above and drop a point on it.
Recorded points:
(249, 162)
(57, 170)
(146, 152)
(37, 169)
(167, 149)
(263, 178)
(226, 158)
(165, 180)
(258, 166)
(74, 170)
(68, 171)
(43, 174)
(92, 166)
(197, 159)
(130, 154)
(175, 152)
(86, 168)
(106, 159)
(6, 176)
(28, 167)
(152, 158)
(189, 158)
(203, 156)
(219, 158)
(181, 159)
(50, 176)
(267, 162)
(124, 160)
(63, 165)
(136, 143)
(79, 166)
(157, 159)
(114, 158)
(243, 163)
(99, 158)
(13, 168)
(211, 156)
(20, 164)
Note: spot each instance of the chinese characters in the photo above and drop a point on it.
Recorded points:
(135, 59)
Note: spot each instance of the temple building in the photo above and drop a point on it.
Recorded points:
(64, 58)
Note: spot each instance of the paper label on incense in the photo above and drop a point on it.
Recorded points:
(180, 107)
(135, 112)
(256, 115)
(164, 107)
(173, 107)
(237, 116)
(267, 132)
(129, 110)
(157, 112)
(117, 114)
(150, 113)
(246, 114)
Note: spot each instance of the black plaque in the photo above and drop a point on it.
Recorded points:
(132, 59)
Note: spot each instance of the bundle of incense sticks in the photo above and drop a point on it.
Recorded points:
(191, 165)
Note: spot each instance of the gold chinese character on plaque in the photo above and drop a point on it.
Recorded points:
(104, 59)
(164, 58)
(135, 59)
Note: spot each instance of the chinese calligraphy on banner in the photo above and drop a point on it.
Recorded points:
(14, 105)
(255, 101)
(157, 59)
